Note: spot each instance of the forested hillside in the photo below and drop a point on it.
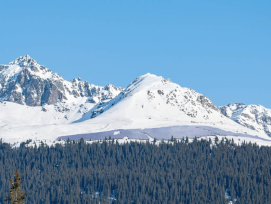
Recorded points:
(182, 172)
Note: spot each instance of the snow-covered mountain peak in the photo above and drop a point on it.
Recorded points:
(150, 96)
(150, 79)
(24, 81)
(23, 61)
(73, 107)
(255, 117)
(147, 81)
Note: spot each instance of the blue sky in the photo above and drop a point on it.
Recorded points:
(219, 48)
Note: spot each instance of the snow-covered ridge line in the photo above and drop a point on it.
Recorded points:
(24, 81)
(160, 94)
(40, 105)
(255, 117)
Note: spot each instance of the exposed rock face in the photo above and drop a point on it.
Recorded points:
(24, 81)
(206, 102)
(255, 117)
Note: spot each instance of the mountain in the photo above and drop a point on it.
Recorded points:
(151, 101)
(155, 98)
(37, 104)
(24, 81)
(255, 117)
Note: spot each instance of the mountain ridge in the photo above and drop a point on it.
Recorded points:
(40, 104)
(255, 117)
(24, 81)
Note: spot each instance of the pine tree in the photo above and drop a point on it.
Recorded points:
(16, 195)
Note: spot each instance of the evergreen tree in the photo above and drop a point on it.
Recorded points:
(16, 195)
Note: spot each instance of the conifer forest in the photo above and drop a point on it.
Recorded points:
(179, 172)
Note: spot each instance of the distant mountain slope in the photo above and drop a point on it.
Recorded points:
(37, 104)
(151, 101)
(255, 117)
(24, 81)
(152, 97)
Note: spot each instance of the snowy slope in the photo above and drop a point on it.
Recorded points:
(40, 105)
(255, 117)
(14, 115)
(154, 98)
(149, 102)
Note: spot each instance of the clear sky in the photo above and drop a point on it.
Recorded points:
(219, 48)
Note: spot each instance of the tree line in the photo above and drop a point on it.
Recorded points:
(185, 172)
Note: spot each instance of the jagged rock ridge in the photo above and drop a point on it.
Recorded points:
(255, 117)
(24, 81)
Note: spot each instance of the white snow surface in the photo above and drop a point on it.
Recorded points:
(148, 102)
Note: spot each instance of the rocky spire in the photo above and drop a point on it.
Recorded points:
(24, 61)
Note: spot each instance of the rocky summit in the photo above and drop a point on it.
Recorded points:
(24, 81)
(255, 117)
